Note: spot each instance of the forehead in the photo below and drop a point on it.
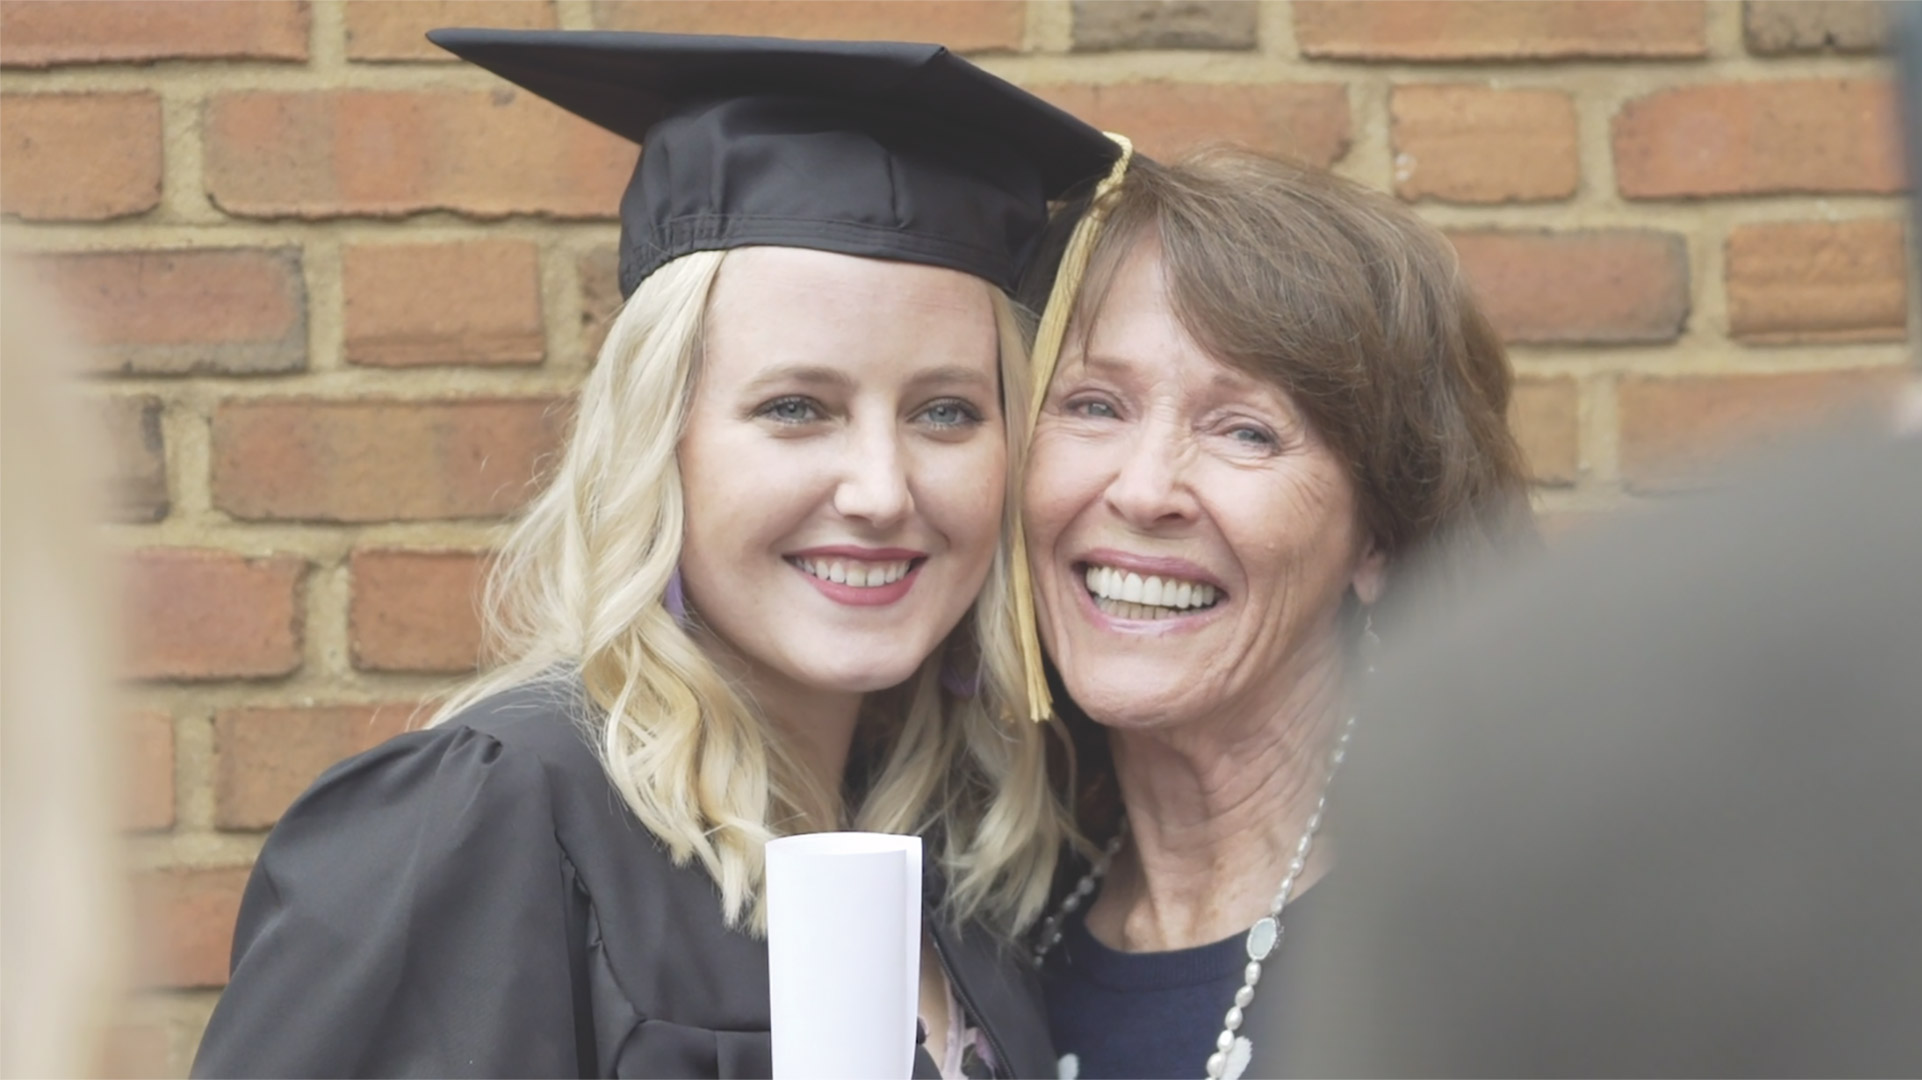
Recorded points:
(753, 276)
(773, 306)
(1131, 317)
(1126, 307)
(1136, 334)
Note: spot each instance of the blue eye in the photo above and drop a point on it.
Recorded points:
(951, 413)
(790, 410)
(1100, 410)
(1252, 436)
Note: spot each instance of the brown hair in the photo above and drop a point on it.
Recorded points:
(1356, 308)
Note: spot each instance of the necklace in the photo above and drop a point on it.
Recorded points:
(1232, 1050)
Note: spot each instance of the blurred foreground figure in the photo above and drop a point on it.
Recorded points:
(1653, 807)
(61, 891)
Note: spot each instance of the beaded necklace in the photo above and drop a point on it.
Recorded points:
(1232, 1050)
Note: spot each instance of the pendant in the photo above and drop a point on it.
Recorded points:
(1262, 938)
(1238, 1057)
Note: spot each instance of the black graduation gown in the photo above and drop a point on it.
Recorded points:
(477, 900)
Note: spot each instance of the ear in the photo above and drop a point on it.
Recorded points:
(1370, 579)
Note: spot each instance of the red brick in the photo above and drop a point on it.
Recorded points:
(149, 761)
(239, 311)
(1604, 286)
(43, 33)
(137, 455)
(185, 920)
(1673, 429)
(312, 460)
(1818, 281)
(1499, 29)
(1545, 415)
(476, 302)
(1760, 138)
(386, 153)
(202, 614)
(1471, 144)
(416, 610)
(1308, 121)
(962, 25)
(134, 1051)
(265, 758)
(1104, 25)
(397, 29)
(599, 271)
(79, 157)
(1774, 27)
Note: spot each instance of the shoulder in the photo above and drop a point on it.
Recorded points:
(547, 723)
(389, 897)
(524, 754)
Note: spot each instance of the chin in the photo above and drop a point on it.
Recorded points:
(866, 677)
(1131, 703)
(1123, 715)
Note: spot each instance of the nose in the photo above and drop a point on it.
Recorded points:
(874, 481)
(1149, 489)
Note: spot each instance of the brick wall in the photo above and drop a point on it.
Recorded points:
(340, 291)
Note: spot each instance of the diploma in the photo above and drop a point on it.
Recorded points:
(844, 954)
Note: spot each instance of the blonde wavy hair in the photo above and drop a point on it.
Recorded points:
(576, 598)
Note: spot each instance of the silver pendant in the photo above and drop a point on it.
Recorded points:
(1262, 938)
(1238, 1059)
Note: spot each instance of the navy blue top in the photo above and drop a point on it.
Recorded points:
(1129, 1015)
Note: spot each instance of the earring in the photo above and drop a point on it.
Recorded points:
(964, 684)
(1370, 642)
(675, 599)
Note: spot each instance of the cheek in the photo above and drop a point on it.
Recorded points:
(962, 492)
(1293, 535)
(738, 488)
(1063, 477)
(712, 540)
(708, 493)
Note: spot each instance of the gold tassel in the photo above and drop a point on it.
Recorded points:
(1047, 352)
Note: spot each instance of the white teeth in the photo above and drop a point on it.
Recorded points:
(858, 574)
(1121, 609)
(1132, 596)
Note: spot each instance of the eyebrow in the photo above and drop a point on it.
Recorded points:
(953, 375)
(822, 376)
(1100, 363)
(804, 374)
(1230, 380)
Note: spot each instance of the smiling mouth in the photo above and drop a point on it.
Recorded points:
(857, 573)
(1125, 595)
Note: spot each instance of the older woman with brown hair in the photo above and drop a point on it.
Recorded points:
(1275, 393)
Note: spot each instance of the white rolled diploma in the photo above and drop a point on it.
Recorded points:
(844, 954)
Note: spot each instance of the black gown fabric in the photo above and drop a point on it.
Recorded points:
(477, 900)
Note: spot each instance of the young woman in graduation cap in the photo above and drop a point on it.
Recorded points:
(768, 591)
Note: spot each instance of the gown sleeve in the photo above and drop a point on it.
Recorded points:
(409, 916)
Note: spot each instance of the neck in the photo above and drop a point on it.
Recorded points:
(819, 732)
(816, 724)
(1216, 808)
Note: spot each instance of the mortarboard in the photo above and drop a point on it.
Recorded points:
(878, 149)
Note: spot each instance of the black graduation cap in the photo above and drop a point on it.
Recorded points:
(879, 149)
